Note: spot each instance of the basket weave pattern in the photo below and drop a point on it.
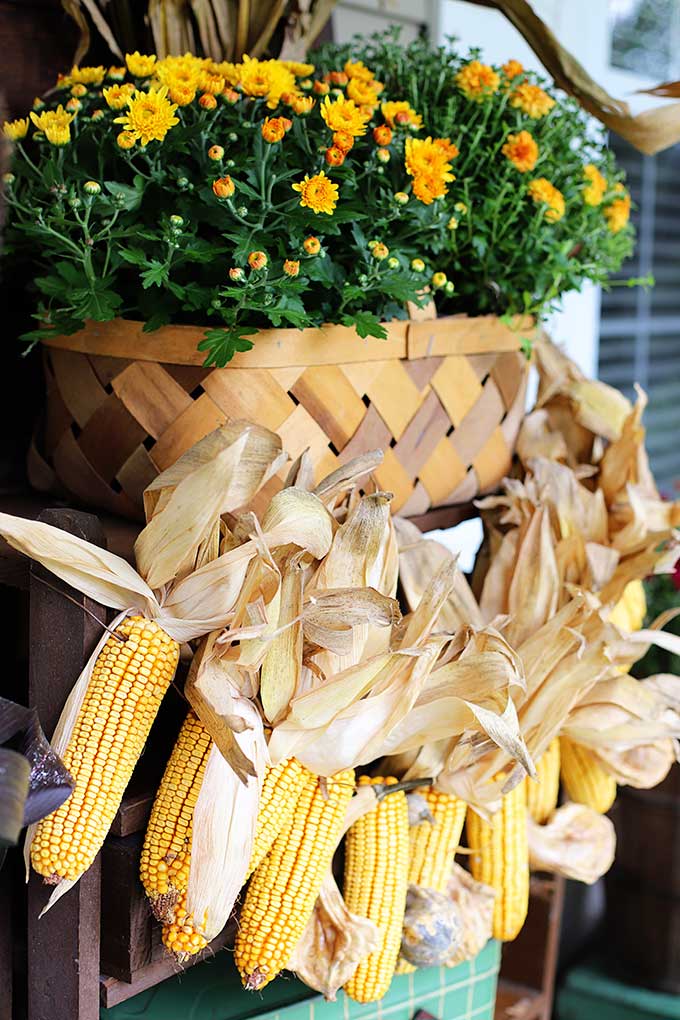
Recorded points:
(447, 423)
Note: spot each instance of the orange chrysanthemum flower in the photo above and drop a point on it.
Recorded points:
(513, 69)
(224, 187)
(618, 213)
(429, 186)
(257, 260)
(343, 140)
(364, 93)
(334, 156)
(542, 191)
(382, 134)
(477, 80)
(532, 100)
(273, 129)
(318, 193)
(291, 267)
(312, 245)
(522, 151)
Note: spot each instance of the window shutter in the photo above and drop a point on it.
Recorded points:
(640, 328)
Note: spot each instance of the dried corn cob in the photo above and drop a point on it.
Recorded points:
(585, 781)
(284, 888)
(164, 868)
(376, 882)
(543, 792)
(432, 846)
(282, 786)
(125, 690)
(501, 860)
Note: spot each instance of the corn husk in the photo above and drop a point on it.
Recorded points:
(475, 903)
(631, 726)
(577, 842)
(334, 943)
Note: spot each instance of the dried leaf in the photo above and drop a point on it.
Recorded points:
(223, 828)
(334, 943)
(475, 902)
(296, 517)
(577, 842)
(282, 663)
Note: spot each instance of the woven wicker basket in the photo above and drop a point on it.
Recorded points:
(443, 398)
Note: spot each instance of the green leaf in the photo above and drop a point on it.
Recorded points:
(366, 324)
(126, 197)
(134, 255)
(155, 275)
(223, 343)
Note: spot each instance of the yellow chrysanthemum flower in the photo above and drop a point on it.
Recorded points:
(268, 79)
(318, 193)
(477, 80)
(429, 155)
(364, 93)
(595, 189)
(358, 70)
(87, 75)
(229, 71)
(532, 100)
(139, 64)
(298, 69)
(618, 213)
(117, 96)
(541, 190)
(149, 116)
(401, 112)
(522, 151)
(344, 115)
(15, 130)
(55, 124)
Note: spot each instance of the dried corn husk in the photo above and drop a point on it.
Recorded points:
(577, 842)
(334, 943)
(475, 902)
(631, 726)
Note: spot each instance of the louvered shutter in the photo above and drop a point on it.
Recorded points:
(640, 329)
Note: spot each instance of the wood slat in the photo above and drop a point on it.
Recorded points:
(274, 348)
(459, 334)
(252, 395)
(332, 402)
(151, 395)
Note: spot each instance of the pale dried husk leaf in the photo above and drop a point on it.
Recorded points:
(419, 559)
(333, 944)
(595, 406)
(537, 439)
(166, 548)
(577, 842)
(221, 693)
(282, 663)
(475, 902)
(345, 477)
(101, 575)
(223, 828)
(330, 617)
(262, 457)
(297, 517)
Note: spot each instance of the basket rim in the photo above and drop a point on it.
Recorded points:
(287, 348)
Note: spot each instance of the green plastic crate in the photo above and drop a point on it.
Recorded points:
(212, 991)
(589, 991)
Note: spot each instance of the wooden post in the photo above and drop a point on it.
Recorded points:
(63, 946)
(6, 940)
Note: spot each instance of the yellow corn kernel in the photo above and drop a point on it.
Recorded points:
(500, 859)
(376, 882)
(284, 888)
(181, 936)
(432, 846)
(125, 690)
(543, 792)
(166, 855)
(585, 781)
(282, 786)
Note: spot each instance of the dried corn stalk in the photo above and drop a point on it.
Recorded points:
(221, 29)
